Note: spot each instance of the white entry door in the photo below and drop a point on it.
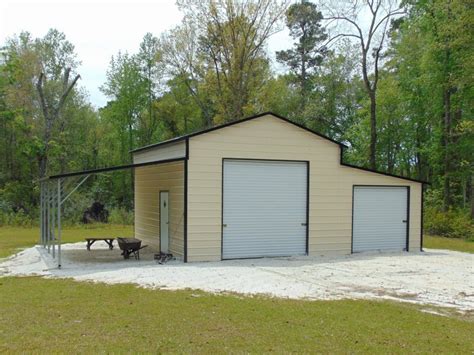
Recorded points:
(164, 222)
(380, 217)
(264, 208)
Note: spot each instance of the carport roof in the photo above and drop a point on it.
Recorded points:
(109, 169)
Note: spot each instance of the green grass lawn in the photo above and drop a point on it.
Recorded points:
(63, 316)
(68, 316)
(448, 243)
(13, 239)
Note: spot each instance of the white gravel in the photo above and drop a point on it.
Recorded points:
(434, 277)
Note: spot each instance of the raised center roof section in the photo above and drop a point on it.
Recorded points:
(204, 131)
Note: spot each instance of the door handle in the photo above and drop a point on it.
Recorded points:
(224, 225)
(304, 224)
(405, 221)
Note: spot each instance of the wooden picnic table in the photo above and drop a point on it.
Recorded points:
(91, 241)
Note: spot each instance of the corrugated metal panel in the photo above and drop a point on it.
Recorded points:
(330, 214)
(264, 208)
(149, 181)
(169, 151)
(379, 215)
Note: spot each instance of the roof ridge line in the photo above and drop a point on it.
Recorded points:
(231, 123)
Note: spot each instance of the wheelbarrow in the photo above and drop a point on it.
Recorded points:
(130, 246)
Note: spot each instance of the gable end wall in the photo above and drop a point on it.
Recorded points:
(330, 209)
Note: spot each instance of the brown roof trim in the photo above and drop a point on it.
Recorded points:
(231, 123)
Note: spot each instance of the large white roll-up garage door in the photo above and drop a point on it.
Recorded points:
(264, 208)
(379, 218)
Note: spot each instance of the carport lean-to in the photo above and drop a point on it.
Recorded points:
(55, 190)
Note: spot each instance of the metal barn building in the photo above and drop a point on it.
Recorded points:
(265, 186)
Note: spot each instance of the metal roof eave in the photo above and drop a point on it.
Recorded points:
(111, 168)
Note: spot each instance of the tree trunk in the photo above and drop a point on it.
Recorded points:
(373, 130)
(51, 114)
(303, 76)
(446, 146)
(42, 163)
(419, 168)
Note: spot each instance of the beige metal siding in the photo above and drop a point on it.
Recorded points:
(165, 152)
(149, 181)
(330, 212)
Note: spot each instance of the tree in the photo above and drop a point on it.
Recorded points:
(51, 111)
(128, 90)
(452, 46)
(232, 36)
(179, 112)
(371, 43)
(57, 142)
(149, 60)
(430, 58)
(304, 21)
(336, 97)
(183, 62)
(55, 53)
(38, 108)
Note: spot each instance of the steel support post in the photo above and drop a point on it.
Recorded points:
(59, 223)
(41, 213)
(48, 204)
(53, 220)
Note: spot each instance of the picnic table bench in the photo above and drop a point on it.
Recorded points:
(91, 241)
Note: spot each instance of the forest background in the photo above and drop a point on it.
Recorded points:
(393, 81)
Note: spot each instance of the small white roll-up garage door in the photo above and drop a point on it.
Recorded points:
(379, 218)
(264, 208)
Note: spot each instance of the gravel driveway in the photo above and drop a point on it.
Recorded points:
(435, 277)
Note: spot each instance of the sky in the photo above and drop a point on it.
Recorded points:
(99, 29)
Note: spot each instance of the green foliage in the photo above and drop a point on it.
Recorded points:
(451, 224)
(17, 195)
(121, 216)
(219, 53)
(333, 108)
(214, 67)
(18, 204)
(19, 219)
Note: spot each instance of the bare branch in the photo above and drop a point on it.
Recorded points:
(349, 15)
(391, 14)
(66, 93)
(332, 39)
